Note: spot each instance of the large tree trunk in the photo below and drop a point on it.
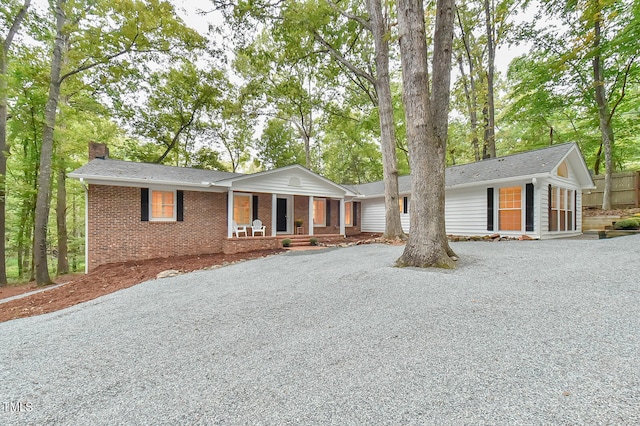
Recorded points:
(604, 117)
(46, 153)
(61, 220)
(426, 130)
(393, 225)
(5, 45)
(491, 125)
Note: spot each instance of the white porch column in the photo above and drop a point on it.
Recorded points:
(310, 215)
(342, 230)
(230, 214)
(274, 212)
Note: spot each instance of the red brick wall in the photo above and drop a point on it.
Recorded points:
(244, 244)
(116, 233)
(264, 211)
(301, 211)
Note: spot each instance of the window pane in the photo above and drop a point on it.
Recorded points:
(348, 206)
(319, 212)
(242, 209)
(161, 204)
(563, 170)
(510, 220)
(510, 209)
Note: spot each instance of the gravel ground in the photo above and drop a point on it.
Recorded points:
(535, 332)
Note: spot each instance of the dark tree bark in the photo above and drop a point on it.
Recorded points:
(427, 122)
(46, 153)
(61, 221)
(5, 45)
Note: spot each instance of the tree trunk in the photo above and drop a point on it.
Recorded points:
(46, 154)
(427, 121)
(491, 125)
(603, 116)
(393, 225)
(61, 220)
(5, 45)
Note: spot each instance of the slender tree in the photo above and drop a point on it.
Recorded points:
(427, 121)
(5, 44)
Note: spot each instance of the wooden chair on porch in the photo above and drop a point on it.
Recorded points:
(258, 227)
(239, 229)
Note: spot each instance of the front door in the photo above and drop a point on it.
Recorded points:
(281, 215)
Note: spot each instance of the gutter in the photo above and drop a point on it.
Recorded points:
(146, 182)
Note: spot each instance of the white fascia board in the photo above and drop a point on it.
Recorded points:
(143, 183)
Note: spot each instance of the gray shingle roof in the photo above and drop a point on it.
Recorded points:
(153, 173)
(528, 163)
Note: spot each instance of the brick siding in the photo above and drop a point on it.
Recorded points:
(117, 234)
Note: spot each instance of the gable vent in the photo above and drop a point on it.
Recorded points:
(294, 181)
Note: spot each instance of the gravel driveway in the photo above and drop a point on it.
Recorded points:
(534, 332)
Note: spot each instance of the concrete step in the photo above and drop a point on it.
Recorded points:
(299, 243)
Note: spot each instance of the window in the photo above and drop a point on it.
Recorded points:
(563, 170)
(403, 204)
(562, 209)
(510, 209)
(348, 213)
(242, 209)
(163, 206)
(319, 212)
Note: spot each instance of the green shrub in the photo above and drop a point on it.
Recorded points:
(628, 223)
(286, 242)
(314, 241)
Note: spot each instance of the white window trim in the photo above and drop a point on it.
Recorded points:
(350, 203)
(522, 210)
(174, 218)
(324, 204)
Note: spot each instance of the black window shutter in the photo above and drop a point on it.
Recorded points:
(180, 206)
(405, 205)
(354, 220)
(254, 209)
(529, 207)
(144, 204)
(489, 209)
(328, 215)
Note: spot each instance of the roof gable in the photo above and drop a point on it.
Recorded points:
(293, 179)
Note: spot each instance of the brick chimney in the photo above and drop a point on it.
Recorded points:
(98, 150)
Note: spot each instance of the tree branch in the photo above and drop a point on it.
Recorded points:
(624, 85)
(358, 19)
(338, 57)
(15, 26)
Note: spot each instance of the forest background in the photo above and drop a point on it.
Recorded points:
(268, 84)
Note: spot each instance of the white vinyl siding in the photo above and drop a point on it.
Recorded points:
(292, 182)
(372, 215)
(466, 211)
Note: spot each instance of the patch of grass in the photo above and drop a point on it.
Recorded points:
(14, 279)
